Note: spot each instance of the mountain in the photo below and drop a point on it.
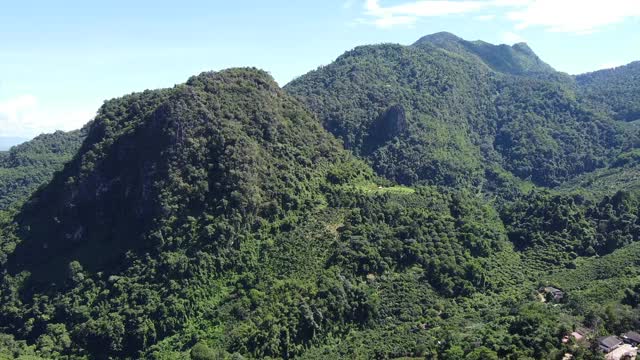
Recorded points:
(221, 206)
(460, 113)
(518, 59)
(171, 190)
(226, 150)
(403, 202)
(615, 90)
(27, 166)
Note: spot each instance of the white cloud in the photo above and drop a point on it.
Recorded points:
(423, 8)
(389, 21)
(14, 106)
(507, 3)
(409, 13)
(24, 116)
(485, 17)
(347, 4)
(569, 16)
(574, 16)
(511, 38)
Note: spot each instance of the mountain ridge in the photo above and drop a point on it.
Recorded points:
(401, 202)
(496, 109)
(518, 59)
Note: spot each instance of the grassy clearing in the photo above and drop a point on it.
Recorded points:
(372, 188)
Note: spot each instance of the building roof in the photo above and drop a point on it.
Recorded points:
(551, 289)
(609, 341)
(576, 335)
(632, 335)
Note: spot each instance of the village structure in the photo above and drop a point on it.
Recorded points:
(550, 293)
(623, 347)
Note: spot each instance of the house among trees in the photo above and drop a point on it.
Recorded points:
(552, 294)
(578, 335)
(631, 338)
(609, 343)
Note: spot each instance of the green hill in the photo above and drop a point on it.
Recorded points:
(219, 211)
(616, 91)
(27, 166)
(623, 174)
(403, 202)
(451, 111)
(518, 59)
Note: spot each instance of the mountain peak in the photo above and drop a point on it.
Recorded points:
(523, 47)
(218, 134)
(439, 38)
(518, 59)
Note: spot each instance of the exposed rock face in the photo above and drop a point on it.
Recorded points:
(391, 123)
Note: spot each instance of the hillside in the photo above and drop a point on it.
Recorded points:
(616, 90)
(623, 174)
(220, 211)
(447, 111)
(518, 59)
(31, 164)
(403, 202)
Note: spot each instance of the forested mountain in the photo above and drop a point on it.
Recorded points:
(450, 110)
(615, 90)
(26, 166)
(518, 59)
(217, 207)
(223, 218)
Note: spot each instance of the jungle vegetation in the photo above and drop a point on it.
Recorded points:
(403, 202)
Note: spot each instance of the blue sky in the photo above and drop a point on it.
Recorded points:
(59, 60)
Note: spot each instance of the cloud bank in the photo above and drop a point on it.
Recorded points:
(23, 116)
(567, 16)
(574, 16)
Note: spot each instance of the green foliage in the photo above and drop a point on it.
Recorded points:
(599, 281)
(632, 296)
(518, 59)
(450, 109)
(439, 233)
(616, 91)
(557, 229)
(27, 166)
(219, 220)
(201, 351)
(608, 181)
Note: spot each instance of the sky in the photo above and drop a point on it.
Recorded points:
(60, 60)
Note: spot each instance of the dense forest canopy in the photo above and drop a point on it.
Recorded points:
(403, 202)
(616, 91)
(467, 107)
(26, 166)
